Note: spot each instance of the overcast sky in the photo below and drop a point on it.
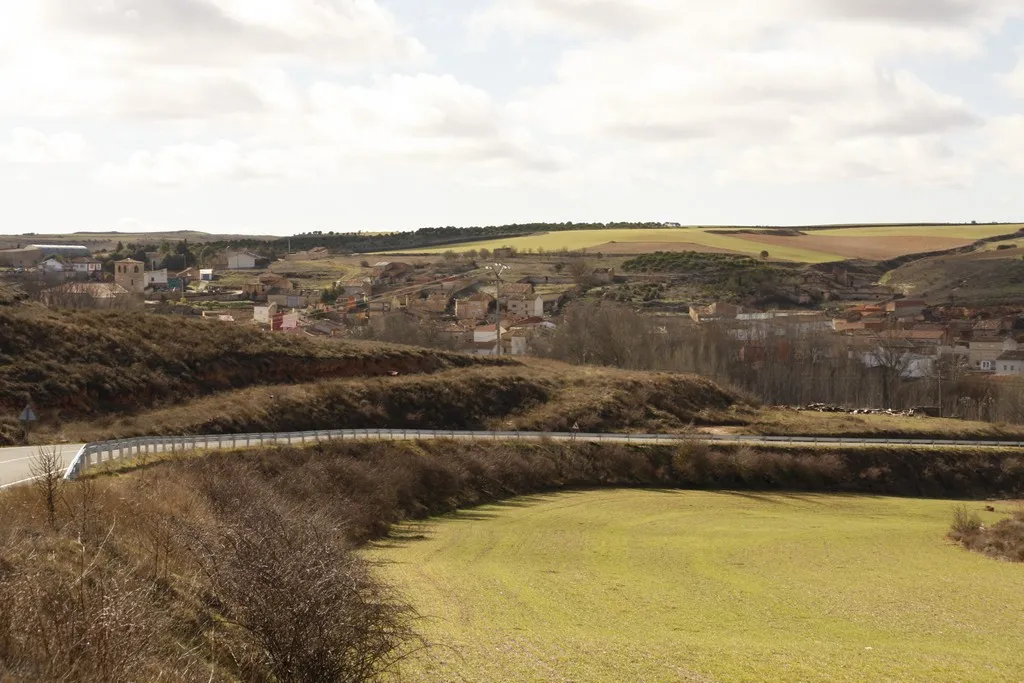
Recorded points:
(283, 116)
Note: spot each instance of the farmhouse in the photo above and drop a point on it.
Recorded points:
(359, 288)
(474, 307)
(433, 302)
(391, 272)
(86, 266)
(906, 308)
(525, 306)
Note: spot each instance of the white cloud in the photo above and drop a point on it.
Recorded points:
(181, 58)
(223, 161)
(733, 83)
(1003, 142)
(1013, 82)
(330, 130)
(29, 146)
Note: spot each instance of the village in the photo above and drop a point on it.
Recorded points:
(470, 306)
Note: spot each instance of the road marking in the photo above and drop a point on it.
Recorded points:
(27, 457)
(15, 483)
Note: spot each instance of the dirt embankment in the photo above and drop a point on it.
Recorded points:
(77, 365)
(549, 397)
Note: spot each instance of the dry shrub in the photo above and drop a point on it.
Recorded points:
(965, 523)
(1003, 540)
(299, 604)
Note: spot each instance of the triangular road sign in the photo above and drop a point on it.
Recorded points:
(28, 415)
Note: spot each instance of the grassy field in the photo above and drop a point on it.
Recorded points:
(694, 586)
(818, 246)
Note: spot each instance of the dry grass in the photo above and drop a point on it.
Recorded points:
(773, 422)
(540, 396)
(85, 364)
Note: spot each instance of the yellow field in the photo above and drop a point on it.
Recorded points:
(819, 246)
(696, 586)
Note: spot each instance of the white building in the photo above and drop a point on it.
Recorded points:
(156, 278)
(206, 275)
(487, 333)
(241, 261)
(527, 307)
(1010, 363)
(86, 266)
(264, 314)
(51, 265)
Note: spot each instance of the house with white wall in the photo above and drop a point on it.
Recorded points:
(1010, 364)
(241, 260)
(156, 278)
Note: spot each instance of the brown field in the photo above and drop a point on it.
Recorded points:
(867, 247)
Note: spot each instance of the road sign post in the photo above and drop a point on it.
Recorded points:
(27, 417)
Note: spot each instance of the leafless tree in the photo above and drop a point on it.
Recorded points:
(582, 272)
(47, 471)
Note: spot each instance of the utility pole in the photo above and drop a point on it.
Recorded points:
(497, 269)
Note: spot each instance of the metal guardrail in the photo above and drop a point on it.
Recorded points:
(93, 454)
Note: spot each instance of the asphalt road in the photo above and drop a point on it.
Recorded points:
(16, 463)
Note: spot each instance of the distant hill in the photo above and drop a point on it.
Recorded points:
(992, 275)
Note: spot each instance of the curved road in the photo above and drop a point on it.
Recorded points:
(16, 463)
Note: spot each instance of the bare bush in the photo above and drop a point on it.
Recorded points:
(305, 606)
(965, 523)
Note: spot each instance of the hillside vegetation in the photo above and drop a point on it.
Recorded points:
(539, 396)
(989, 278)
(83, 364)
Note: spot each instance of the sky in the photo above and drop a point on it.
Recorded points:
(285, 116)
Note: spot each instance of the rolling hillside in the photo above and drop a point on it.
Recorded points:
(799, 245)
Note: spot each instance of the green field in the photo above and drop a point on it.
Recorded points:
(666, 239)
(816, 246)
(695, 586)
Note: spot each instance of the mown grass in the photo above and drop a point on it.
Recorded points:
(696, 586)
